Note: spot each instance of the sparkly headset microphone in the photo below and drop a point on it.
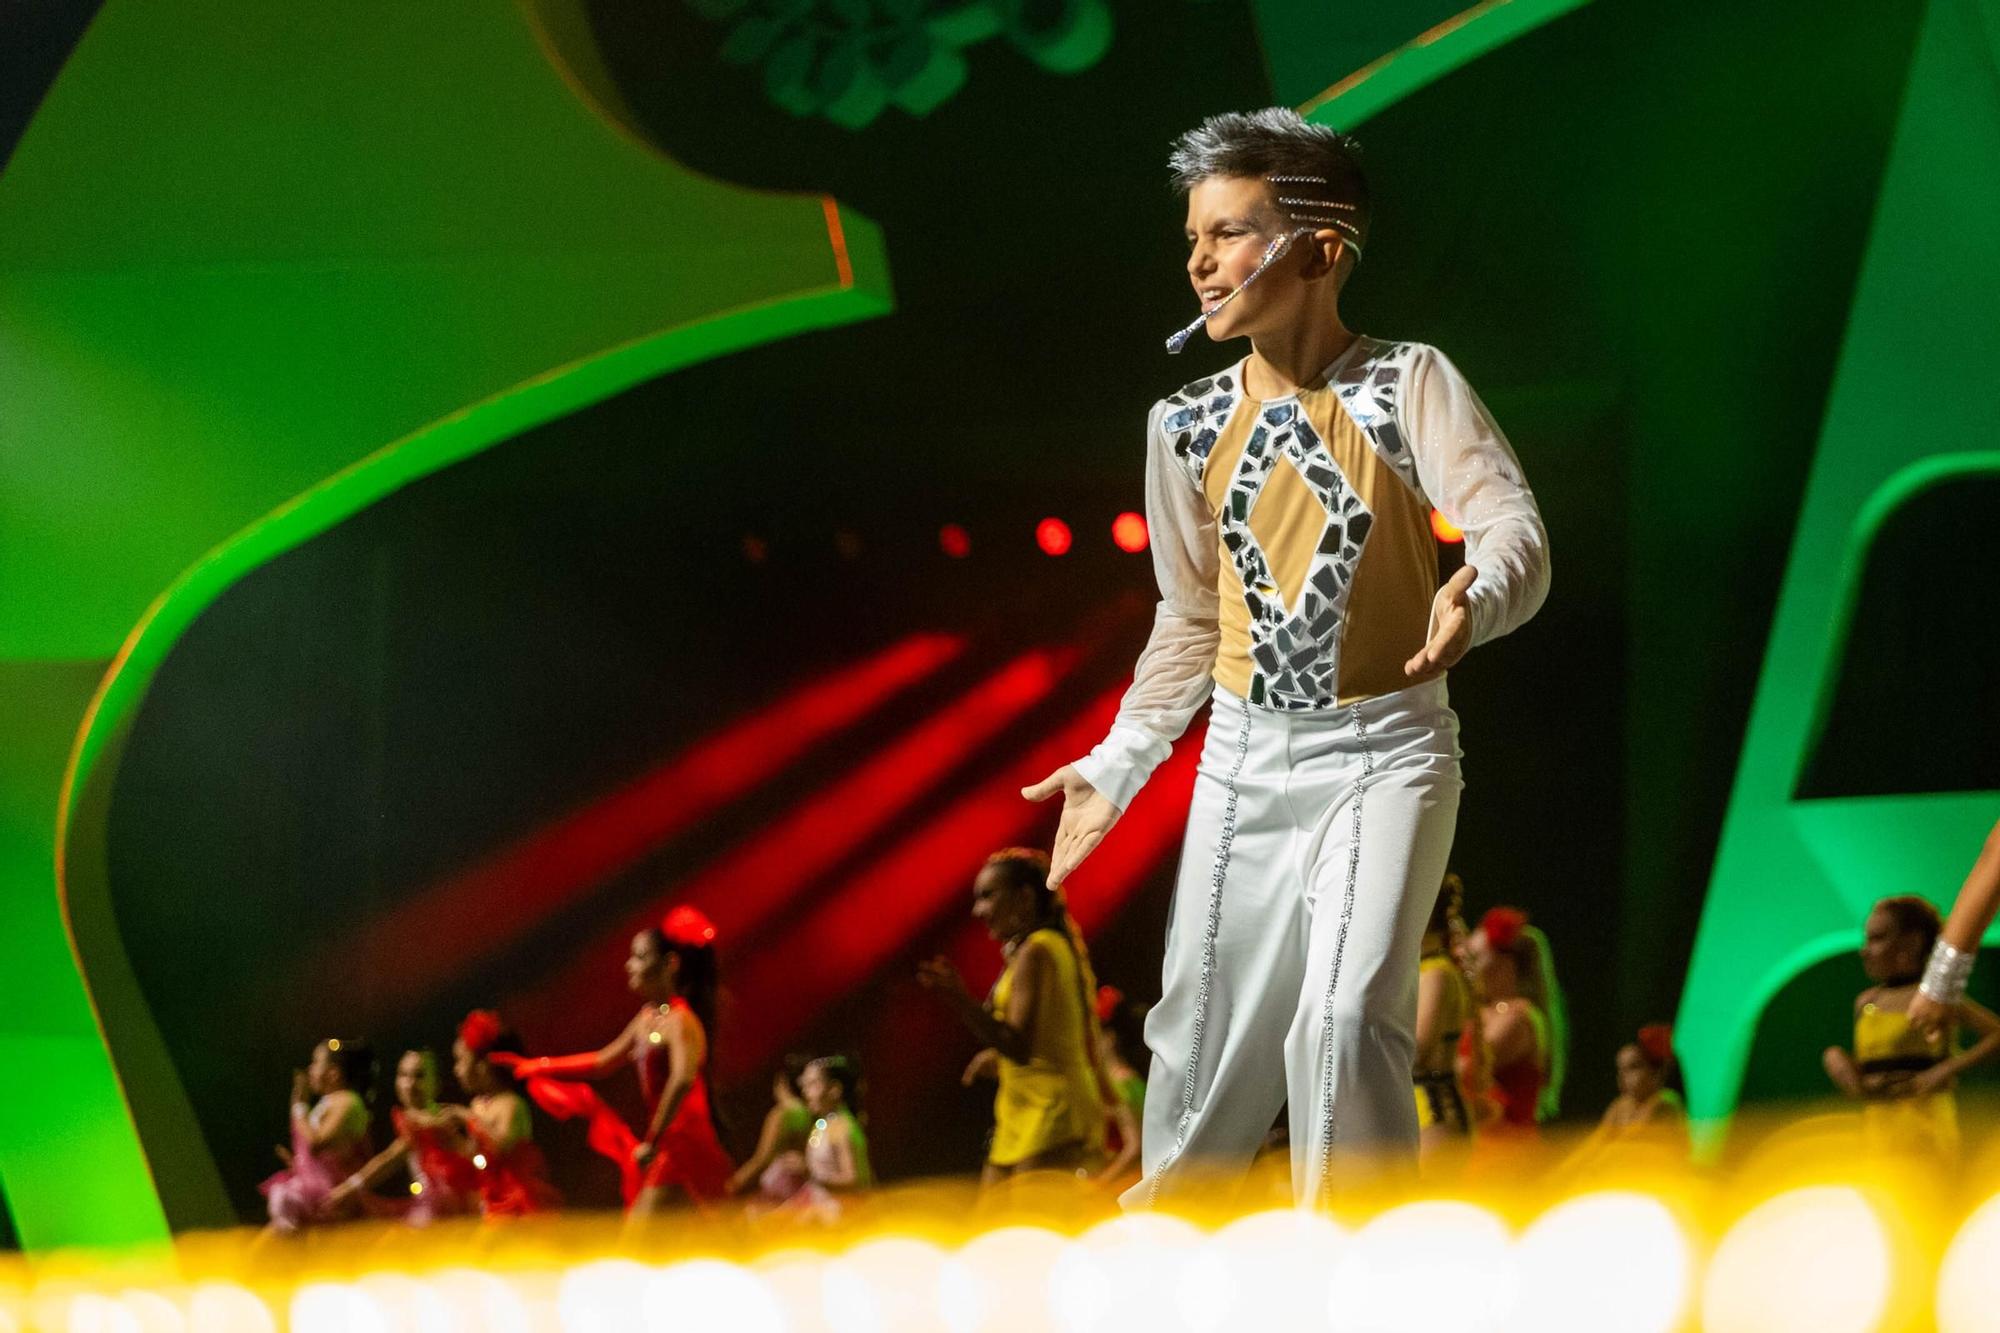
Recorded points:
(1311, 215)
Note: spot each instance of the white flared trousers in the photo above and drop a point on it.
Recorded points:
(1316, 843)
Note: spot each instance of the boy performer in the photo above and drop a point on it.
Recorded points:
(1288, 501)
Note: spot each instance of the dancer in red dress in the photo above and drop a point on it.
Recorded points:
(513, 1178)
(672, 967)
(443, 1180)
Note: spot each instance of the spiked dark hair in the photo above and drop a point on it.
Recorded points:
(1314, 169)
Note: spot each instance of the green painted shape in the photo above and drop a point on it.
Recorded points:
(1382, 76)
(1793, 879)
(258, 270)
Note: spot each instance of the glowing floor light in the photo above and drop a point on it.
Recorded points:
(1816, 1260)
(1601, 1252)
(1968, 1288)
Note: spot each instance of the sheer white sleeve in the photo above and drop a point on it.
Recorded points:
(1471, 474)
(1172, 678)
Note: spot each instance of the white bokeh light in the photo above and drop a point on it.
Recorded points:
(711, 1294)
(1397, 1262)
(1615, 1257)
(1143, 1270)
(1968, 1294)
(603, 1297)
(883, 1286)
(1281, 1265)
(1816, 1260)
(997, 1282)
(336, 1307)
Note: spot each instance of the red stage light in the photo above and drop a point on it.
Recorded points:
(436, 932)
(1052, 535)
(1443, 529)
(954, 541)
(1128, 531)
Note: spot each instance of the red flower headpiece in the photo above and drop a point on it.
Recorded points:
(1503, 927)
(1108, 1000)
(688, 927)
(1656, 1041)
(481, 1028)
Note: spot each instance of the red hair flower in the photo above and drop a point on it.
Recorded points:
(1108, 1000)
(1656, 1040)
(481, 1028)
(1503, 927)
(688, 927)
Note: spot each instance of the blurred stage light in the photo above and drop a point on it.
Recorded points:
(1281, 1267)
(1142, 1270)
(1816, 1260)
(1128, 531)
(1052, 535)
(888, 1285)
(987, 1286)
(1393, 1266)
(711, 1294)
(1443, 529)
(1603, 1252)
(955, 541)
(1968, 1289)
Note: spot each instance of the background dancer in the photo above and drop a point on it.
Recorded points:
(777, 1168)
(672, 966)
(1445, 1012)
(329, 1125)
(1903, 1075)
(443, 1180)
(1040, 1023)
(1522, 1020)
(1327, 792)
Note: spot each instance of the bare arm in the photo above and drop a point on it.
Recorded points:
(1840, 1067)
(768, 1139)
(503, 1121)
(1430, 1012)
(1971, 913)
(1510, 1035)
(1011, 1033)
(339, 1116)
(1128, 1142)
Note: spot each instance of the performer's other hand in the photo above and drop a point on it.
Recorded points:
(983, 1065)
(1086, 817)
(301, 1087)
(1927, 1016)
(1451, 633)
(939, 975)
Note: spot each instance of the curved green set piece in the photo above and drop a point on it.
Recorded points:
(258, 269)
(1909, 409)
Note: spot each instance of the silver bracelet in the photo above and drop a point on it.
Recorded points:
(1946, 974)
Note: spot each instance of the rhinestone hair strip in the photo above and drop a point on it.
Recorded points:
(1339, 948)
(1272, 254)
(1317, 203)
(1213, 927)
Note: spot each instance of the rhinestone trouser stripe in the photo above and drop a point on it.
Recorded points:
(1340, 946)
(1207, 983)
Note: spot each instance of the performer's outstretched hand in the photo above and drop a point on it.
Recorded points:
(1087, 816)
(1451, 629)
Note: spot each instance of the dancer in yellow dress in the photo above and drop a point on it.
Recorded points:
(1445, 1009)
(1903, 1075)
(1040, 1025)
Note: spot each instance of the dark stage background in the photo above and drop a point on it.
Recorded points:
(454, 751)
